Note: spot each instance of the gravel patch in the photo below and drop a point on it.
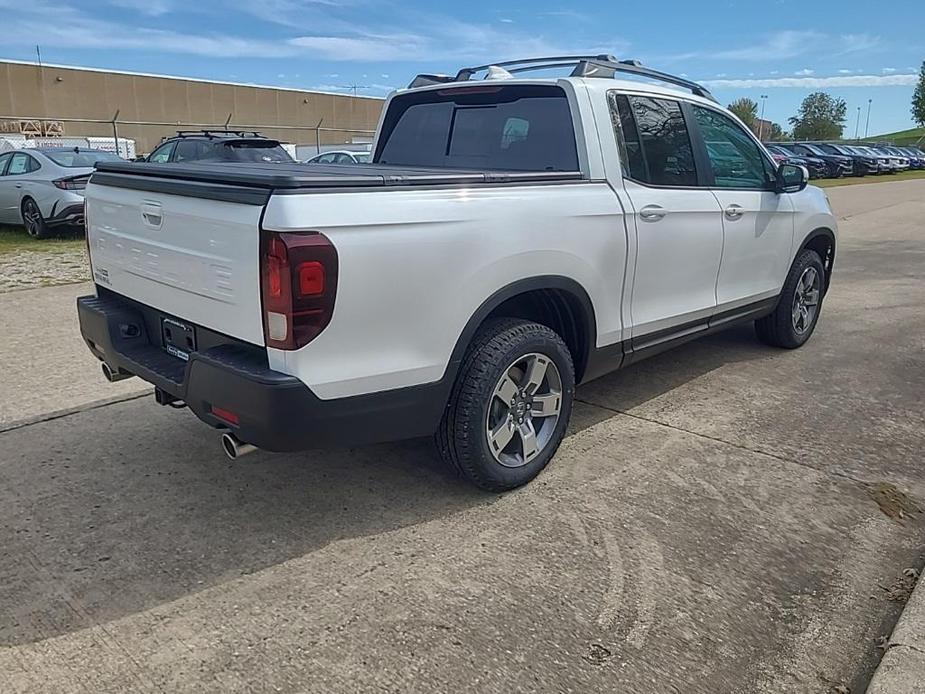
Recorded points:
(31, 269)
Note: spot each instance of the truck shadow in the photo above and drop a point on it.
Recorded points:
(110, 512)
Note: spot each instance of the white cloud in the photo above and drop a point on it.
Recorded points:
(325, 34)
(151, 8)
(505, 20)
(805, 72)
(845, 72)
(888, 70)
(816, 82)
(783, 45)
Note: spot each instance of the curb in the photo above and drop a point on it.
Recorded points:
(902, 668)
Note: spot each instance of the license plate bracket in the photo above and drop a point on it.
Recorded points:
(179, 338)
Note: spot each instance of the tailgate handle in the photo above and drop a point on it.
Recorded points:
(152, 214)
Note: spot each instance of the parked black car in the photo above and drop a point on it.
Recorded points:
(219, 146)
(862, 163)
(836, 164)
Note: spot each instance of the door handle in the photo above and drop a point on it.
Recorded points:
(652, 213)
(734, 212)
(19, 185)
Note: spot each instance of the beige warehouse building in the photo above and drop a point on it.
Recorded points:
(34, 96)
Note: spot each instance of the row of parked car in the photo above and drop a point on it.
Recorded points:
(43, 188)
(827, 160)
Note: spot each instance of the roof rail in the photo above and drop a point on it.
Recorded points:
(606, 66)
(218, 131)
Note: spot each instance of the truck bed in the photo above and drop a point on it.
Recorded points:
(263, 178)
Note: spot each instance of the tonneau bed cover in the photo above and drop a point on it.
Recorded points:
(313, 176)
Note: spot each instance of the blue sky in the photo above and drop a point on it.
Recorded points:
(780, 48)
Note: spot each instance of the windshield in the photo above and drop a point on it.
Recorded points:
(79, 159)
(259, 151)
(813, 149)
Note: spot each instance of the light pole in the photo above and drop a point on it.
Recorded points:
(867, 127)
(857, 125)
(764, 99)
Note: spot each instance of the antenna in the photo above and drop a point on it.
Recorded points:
(354, 87)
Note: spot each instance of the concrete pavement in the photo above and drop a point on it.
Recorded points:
(46, 366)
(713, 523)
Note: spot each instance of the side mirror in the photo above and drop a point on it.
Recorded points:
(791, 178)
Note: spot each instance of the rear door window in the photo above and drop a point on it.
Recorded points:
(190, 150)
(20, 164)
(654, 140)
(513, 128)
(4, 160)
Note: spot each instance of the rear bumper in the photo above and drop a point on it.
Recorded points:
(275, 411)
(72, 214)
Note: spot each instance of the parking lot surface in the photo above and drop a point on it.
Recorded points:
(722, 518)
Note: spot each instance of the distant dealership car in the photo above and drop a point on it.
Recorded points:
(42, 189)
(884, 164)
(862, 164)
(837, 165)
(916, 157)
(219, 146)
(816, 167)
(340, 157)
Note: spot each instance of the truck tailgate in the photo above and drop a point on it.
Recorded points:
(193, 258)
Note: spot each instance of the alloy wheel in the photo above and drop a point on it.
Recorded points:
(806, 300)
(32, 217)
(524, 410)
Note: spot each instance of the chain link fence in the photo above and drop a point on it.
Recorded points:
(133, 138)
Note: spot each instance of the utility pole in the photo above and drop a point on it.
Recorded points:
(857, 125)
(764, 99)
(867, 127)
(38, 54)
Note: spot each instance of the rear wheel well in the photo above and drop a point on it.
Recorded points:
(822, 241)
(560, 311)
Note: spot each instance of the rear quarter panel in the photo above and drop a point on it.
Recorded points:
(416, 264)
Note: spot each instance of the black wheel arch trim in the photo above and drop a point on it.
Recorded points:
(830, 237)
(523, 286)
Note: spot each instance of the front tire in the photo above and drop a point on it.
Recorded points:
(33, 220)
(510, 405)
(794, 320)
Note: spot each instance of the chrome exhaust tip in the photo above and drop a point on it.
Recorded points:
(113, 376)
(234, 447)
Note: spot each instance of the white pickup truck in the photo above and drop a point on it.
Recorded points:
(512, 238)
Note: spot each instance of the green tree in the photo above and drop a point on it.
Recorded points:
(746, 110)
(821, 117)
(776, 134)
(918, 98)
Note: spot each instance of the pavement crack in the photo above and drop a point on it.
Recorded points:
(907, 645)
(60, 414)
(734, 444)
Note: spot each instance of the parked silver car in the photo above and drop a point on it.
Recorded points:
(341, 156)
(44, 188)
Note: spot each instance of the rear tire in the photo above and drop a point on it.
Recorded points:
(510, 405)
(33, 220)
(794, 320)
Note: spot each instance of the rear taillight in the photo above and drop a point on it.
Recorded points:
(298, 282)
(69, 184)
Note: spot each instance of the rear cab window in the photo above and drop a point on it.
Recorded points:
(654, 141)
(507, 128)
